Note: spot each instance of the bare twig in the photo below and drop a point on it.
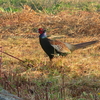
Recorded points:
(46, 90)
(29, 65)
(11, 56)
(0, 60)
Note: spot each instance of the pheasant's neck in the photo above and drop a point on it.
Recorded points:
(43, 35)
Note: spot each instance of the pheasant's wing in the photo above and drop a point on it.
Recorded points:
(59, 46)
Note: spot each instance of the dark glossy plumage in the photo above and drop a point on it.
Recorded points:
(46, 45)
(52, 47)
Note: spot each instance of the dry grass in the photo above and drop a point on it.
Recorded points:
(69, 23)
(73, 77)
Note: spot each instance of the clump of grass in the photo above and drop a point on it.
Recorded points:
(70, 23)
(53, 87)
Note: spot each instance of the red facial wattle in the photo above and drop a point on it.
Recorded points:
(40, 30)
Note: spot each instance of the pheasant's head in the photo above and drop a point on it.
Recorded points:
(41, 30)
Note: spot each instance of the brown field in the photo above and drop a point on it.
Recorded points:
(77, 75)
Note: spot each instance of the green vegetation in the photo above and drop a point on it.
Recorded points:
(50, 7)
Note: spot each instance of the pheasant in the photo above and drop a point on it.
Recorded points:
(55, 47)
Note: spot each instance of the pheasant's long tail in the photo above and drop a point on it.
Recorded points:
(80, 45)
(84, 45)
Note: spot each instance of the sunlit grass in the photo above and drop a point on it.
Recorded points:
(80, 68)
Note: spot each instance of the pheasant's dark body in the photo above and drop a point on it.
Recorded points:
(47, 47)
